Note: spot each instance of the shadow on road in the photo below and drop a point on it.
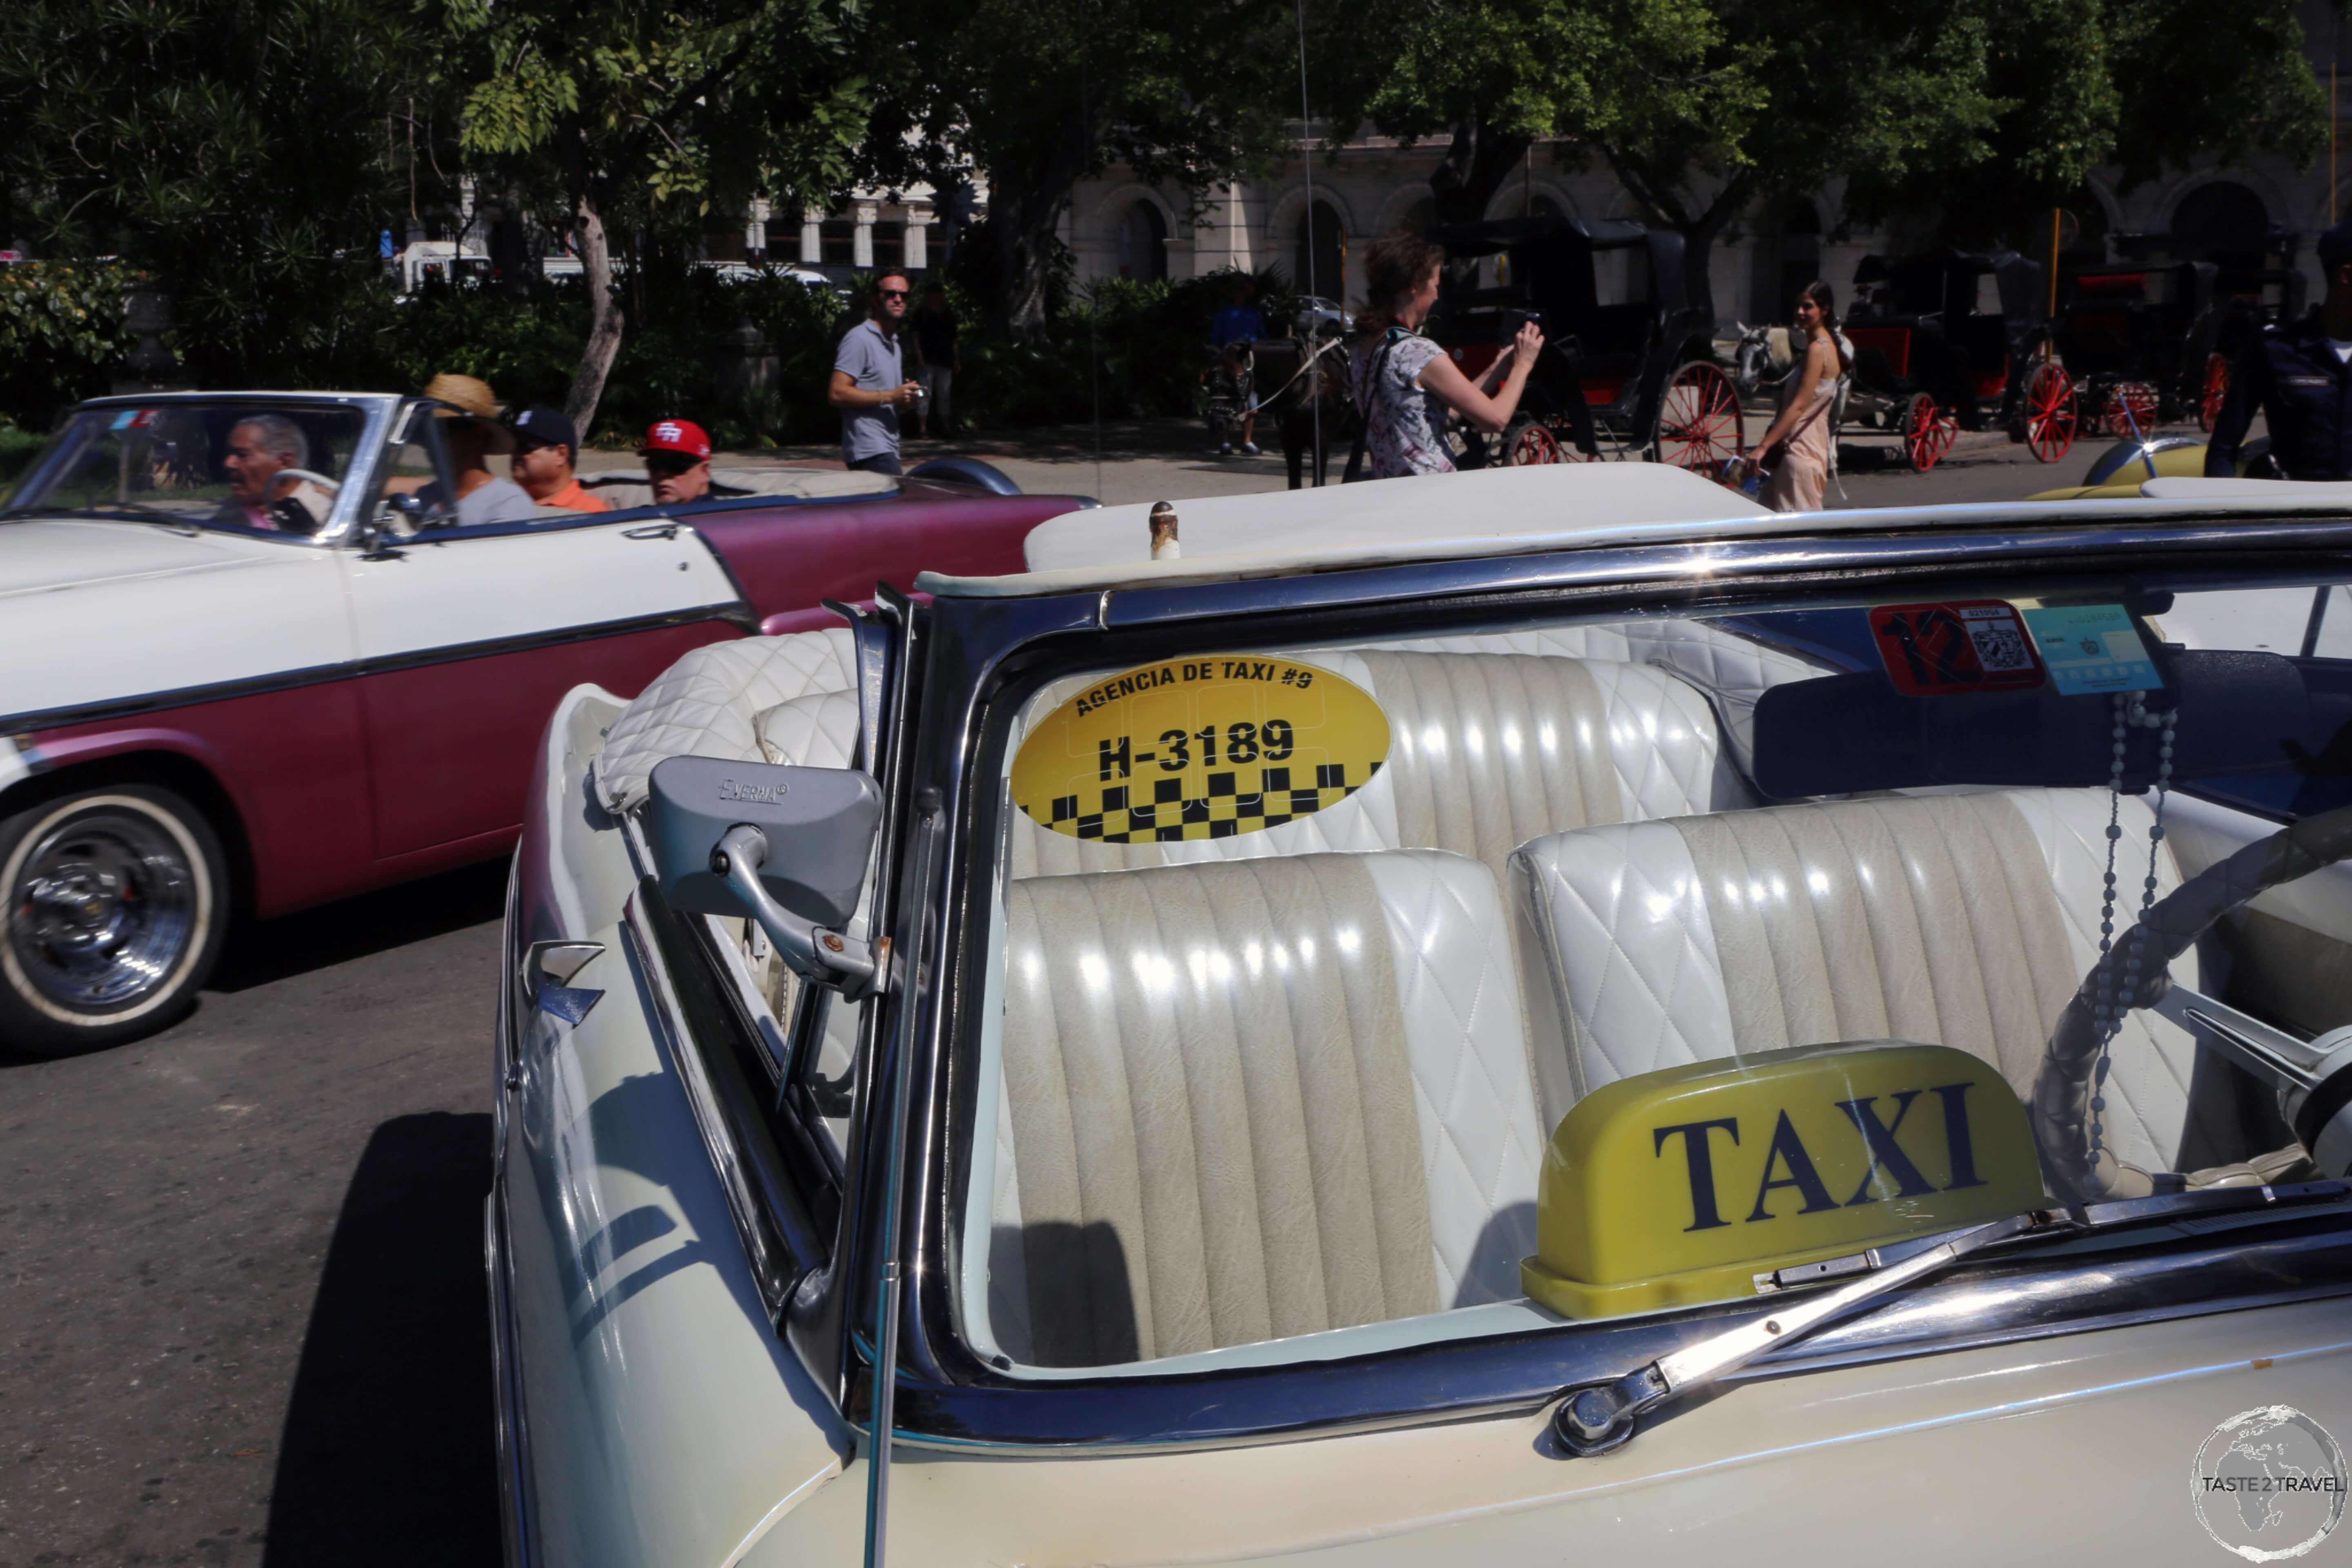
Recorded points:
(260, 952)
(387, 1456)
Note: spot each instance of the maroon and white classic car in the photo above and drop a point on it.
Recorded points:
(213, 703)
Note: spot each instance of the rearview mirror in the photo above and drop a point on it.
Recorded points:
(784, 846)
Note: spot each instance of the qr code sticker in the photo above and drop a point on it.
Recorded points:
(2001, 646)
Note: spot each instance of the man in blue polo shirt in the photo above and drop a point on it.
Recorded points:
(869, 380)
(2300, 374)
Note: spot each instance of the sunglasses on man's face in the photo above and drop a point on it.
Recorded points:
(669, 468)
(893, 293)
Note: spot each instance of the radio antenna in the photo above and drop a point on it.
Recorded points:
(1315, 334)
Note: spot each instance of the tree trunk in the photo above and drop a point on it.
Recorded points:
(603, 320)
(1473, 169)
(1023, 215)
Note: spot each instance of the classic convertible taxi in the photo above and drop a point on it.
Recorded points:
(248, 661)
(1539, 1015)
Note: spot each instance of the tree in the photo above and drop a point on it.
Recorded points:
(651, 113)
(1793, 95)
(1041, 93)
(249, 152)
(2142, 84)
(1492, 77)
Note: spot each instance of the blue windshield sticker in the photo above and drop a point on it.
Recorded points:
(2092, 648)
(122, 420)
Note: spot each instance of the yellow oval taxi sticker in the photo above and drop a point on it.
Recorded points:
(1199, 748)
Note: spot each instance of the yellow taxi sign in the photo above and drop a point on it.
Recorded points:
(1680, 1186)
(1205, 747)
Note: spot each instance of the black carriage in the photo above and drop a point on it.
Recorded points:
(1628, 367)
(2255, 284)
(2126, 348)
(1936, 338)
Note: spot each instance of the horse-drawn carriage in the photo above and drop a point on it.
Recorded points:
(2131, 344)
(1628, 367)
(1936, 338)
(2255, 284)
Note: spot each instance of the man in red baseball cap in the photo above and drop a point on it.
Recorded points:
(677, 459)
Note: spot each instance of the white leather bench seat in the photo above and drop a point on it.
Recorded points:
(1250, 1099)
(1962, 919)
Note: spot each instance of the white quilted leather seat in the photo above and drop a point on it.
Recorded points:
(1958, 919)
(710, 704)
(1250, 1099)
(1488, 750)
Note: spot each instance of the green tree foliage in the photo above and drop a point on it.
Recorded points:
(61, 329)
(1492, 77)
(1041, 93)
(249, 152)
(650, 115)
(2142, 84)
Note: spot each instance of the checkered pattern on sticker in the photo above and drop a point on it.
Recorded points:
(1123, 814)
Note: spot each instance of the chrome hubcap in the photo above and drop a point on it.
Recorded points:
(102, 911)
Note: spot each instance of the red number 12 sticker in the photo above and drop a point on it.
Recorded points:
(1971, 645)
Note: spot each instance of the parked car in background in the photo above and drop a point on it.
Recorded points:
(1383, 1041)
(231, 682)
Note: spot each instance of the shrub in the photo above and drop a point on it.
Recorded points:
(61, 334)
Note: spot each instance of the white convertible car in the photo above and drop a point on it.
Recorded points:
(1545, 1015)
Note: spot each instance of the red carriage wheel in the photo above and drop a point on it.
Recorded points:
(2216, 389)
(1528, 442)
(1925, 437)
(1700, 425)
(2130, 405)
(2052, 411)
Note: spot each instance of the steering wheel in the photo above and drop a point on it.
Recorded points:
(321, 480)
(2315, 1078)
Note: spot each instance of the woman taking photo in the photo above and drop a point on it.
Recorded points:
(1403, 382)
(1796, 449)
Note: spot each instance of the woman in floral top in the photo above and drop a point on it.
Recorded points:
(1403, 382)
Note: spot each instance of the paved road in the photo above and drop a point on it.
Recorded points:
(242, 1317)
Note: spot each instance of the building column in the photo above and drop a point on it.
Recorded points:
(919, 243)
(811, 237)
(755, 232)
(861, 238)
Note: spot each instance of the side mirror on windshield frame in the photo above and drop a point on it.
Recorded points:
(785, 846)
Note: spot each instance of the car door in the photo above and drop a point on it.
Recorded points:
(466, 637)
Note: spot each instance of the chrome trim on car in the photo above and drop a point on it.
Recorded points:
(510, 1431)
(739, 614)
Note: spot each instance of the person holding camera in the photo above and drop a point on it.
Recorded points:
(1403, 382)
(869, 380)
(1795, 450)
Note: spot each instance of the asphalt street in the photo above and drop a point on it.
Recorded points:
(242, 1313)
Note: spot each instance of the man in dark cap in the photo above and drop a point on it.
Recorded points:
(2300, 374)
(546, 448)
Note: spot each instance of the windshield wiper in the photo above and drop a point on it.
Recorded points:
(137, 510)
(1597, 1417)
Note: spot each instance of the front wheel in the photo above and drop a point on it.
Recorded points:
(2052, 411)
(116, 904)
(1527, 441)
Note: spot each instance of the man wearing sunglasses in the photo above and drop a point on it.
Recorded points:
(677, 461)
(869, 380)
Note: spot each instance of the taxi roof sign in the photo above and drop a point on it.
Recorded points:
(1678, 1187)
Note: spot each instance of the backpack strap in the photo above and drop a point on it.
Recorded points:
(1355, 469)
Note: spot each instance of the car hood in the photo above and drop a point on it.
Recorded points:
(44, 554)
(96, 613)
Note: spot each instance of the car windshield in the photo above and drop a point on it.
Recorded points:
(239, 465)
(1570, 970)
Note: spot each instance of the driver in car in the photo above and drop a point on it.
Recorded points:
(268, 463)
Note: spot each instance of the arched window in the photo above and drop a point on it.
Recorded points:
(2224, 216)
(1143, 244)
(1419, 216)
(1318, 256)
(1788, 257)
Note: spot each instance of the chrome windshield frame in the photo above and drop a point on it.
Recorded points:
(989, 653)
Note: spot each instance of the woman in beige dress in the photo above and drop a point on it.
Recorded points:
(1796, 448)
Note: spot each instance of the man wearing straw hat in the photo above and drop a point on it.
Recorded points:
(471, 431)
